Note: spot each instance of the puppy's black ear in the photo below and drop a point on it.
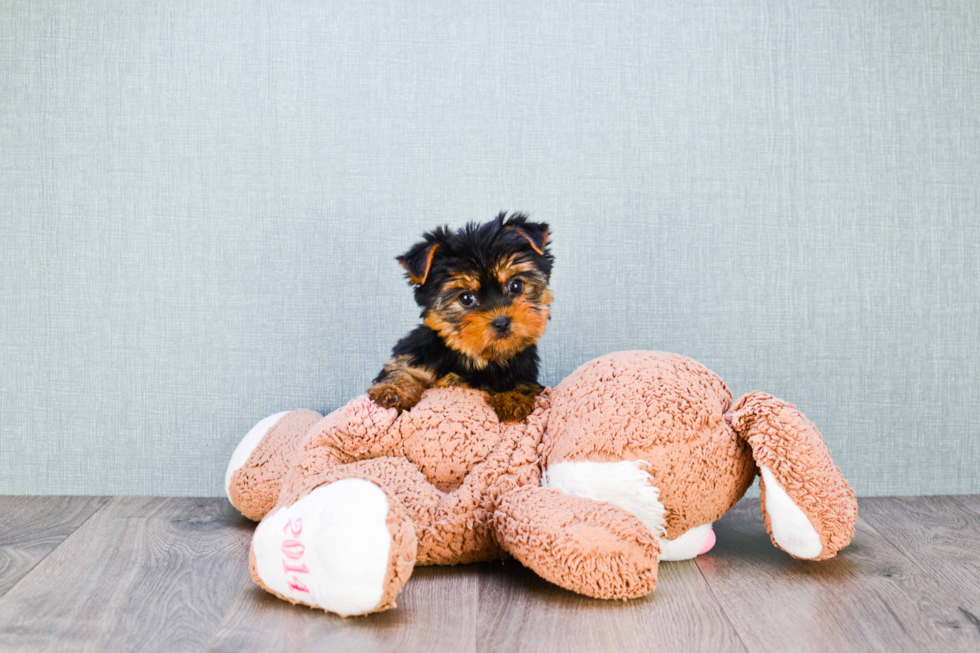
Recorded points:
(418, 261)
(536, 233)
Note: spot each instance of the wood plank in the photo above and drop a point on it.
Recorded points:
(521, 612)
(142, 574)
(939, 534)
(871, 597)
(969, 501)
(31, 527)
(160, 574)
(436, 612)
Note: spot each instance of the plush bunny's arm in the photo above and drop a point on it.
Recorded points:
(586, 546)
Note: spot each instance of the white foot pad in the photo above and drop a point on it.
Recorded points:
(791, 529)
(330, 549)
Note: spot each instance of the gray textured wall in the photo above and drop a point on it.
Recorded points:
(200, 204)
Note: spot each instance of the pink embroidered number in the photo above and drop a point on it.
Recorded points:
(293, 549)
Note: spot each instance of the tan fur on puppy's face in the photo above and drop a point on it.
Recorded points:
(468, 330)
(513, 266)
(528, 322)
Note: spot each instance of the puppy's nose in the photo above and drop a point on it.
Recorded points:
(501, 324)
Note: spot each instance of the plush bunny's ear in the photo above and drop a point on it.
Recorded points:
(536, 233)
(418, 261)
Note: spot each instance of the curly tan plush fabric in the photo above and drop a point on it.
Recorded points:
(255, 485)
(665, 410)
(589, 547)
(627, 457)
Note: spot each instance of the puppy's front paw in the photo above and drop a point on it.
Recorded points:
(400, 395)
(513, 405)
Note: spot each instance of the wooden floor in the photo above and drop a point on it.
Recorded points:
(144, 574)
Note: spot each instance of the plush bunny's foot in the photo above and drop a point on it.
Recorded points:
(344, 547)
(261, 460)
(248, 444)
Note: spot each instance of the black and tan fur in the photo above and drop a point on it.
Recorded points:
(485, 302)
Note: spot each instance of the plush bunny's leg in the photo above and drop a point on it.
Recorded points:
(590, 547)
(262, 459)
(346, 546)
(325, 543)
(809, 509)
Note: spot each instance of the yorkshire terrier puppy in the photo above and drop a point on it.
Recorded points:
(485, 302)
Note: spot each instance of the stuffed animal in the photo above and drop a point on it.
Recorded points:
(624, 464)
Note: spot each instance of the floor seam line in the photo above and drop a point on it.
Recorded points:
(721, 606)
(966, 507)
(108, 500)
(227, 614)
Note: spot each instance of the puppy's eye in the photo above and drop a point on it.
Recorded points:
(516, 287)
(467, 300)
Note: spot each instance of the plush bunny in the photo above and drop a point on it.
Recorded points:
(626, 463)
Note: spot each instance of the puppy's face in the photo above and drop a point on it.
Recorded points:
(492, 312)
(484, 289)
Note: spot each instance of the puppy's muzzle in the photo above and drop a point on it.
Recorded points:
(501, 325)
